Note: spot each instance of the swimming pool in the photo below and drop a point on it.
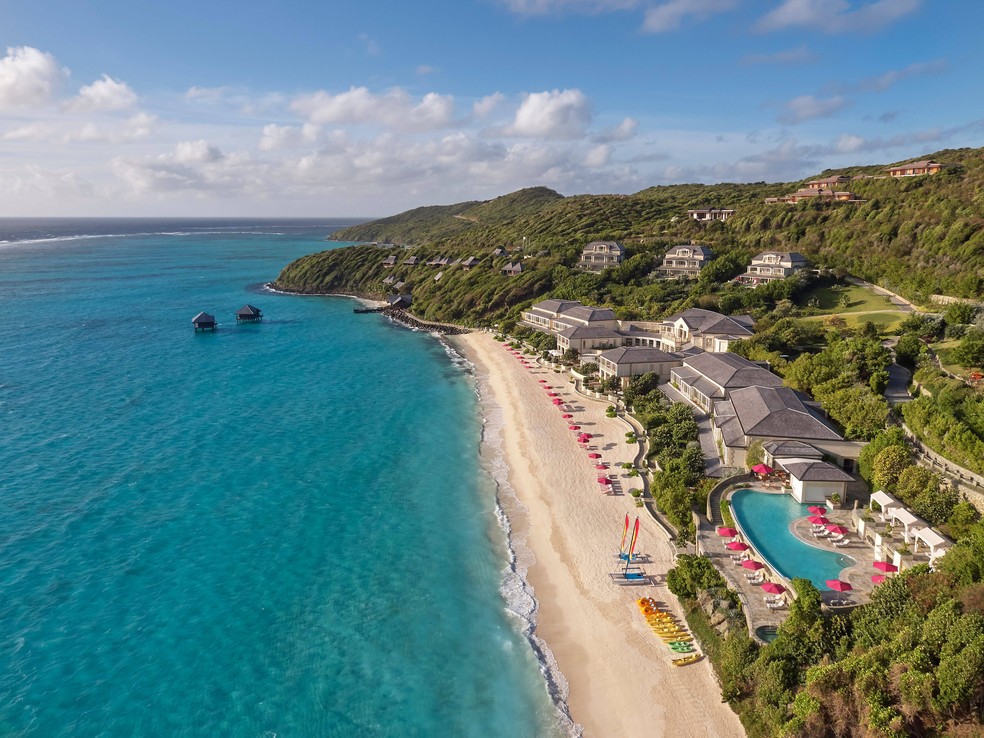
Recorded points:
(765, 520)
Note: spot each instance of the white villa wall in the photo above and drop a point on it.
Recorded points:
(816, 492)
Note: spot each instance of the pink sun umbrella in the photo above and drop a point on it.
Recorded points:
(604, 480)
(557, 401)
(753, 565)
(551, 394)
(773, 588)
(839, 530)
(878, 578)
(817, 509)
(573, 427)
(726, 532)
(738, 546)
(839, 586)
(585, 435)
(567, 416)
(542, 381)
(885, 566)
(818, 520)
(594, 456)
(600, 467)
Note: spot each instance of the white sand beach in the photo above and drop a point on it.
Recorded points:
(622, 681)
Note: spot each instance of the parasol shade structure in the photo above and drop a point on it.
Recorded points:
(604, 480)
(594, 456)
(773, 588)
(839, 586)
(885, 566)
(600, 467)
(839, 530)
(567, 416)
(738, 546)
(726, 532)
(818, 520)
(557, 401)
(573, 427)
(753, 565)
(878, 578)
(762, 469)
(817, 509)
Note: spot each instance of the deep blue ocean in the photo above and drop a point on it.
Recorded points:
(278, 530)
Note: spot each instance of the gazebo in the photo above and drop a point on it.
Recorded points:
(906, 518)
(203, 322)
(931, 538)
(248, 314)
(886, 502)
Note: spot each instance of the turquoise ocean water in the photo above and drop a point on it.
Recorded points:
(280, 529)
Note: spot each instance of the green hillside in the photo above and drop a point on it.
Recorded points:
(916, 236)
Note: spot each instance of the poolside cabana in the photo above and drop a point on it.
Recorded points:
(907, 519)
(930, 538)
(813, 480)
(886, 502)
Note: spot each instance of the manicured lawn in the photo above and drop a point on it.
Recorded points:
(886, 322)
(847, 299)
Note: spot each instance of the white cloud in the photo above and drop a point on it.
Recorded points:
(103, 94)
(836, 16)
(558, 114)
(423, 69)
(622, 132)
(808, 107)
(276, 137)
(196, 152)
(28, 77)
(372, 46)
(549, 7)
(393, 108)
(669, 16)
(207, 94)
(482, 108)
(882, 82)
(599, 156)
(799, 55)
(66, 130)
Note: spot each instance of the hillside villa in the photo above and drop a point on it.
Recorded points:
(915, 168)
(810, 192)
(685, 260)
(772, 265)
(707, 214)
(599, 255)
(707, 377)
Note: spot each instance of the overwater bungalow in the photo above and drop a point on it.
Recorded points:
(248, 314)
(203, 322)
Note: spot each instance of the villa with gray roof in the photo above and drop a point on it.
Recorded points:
(772, 265)
(554, 316)
(584, 338)
(703, 329)
(814, 481)
(706, 214)
(512, 269)
(631, 361)
(684, 261)
(599, 255)
(776, 413)
(706, 378)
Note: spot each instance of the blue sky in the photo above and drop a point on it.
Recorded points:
(341, 108)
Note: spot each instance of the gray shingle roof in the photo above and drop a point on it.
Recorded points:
(586, 331)
(709, 322)
(812, 470)
(583, 312)
(732, 371)
(638, 355)
(779, 413)
(555, 306)
(790, 449)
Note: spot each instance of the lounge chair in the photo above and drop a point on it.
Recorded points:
(775, 605)
(842, 542)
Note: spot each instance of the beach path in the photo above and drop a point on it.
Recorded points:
(622, 681)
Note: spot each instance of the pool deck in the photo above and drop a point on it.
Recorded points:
(757, 613)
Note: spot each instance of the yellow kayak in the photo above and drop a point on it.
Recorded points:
(691, 659)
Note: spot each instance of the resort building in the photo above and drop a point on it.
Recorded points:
(820, 194)
(631, 361)
(685, 260)
(470, 262)
(815, 481)
(500, 252)
(772, 265)
(410, 261)
(554, 316)
(389, 261)
(776, 413)
(584, 338)
(828, 183)
(915, 168)
(702, 329)
(706, 214)
(599, 255)
(707, 378)
(511, 270)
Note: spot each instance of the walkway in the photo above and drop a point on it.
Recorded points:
(705, 433)
(897, 391)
